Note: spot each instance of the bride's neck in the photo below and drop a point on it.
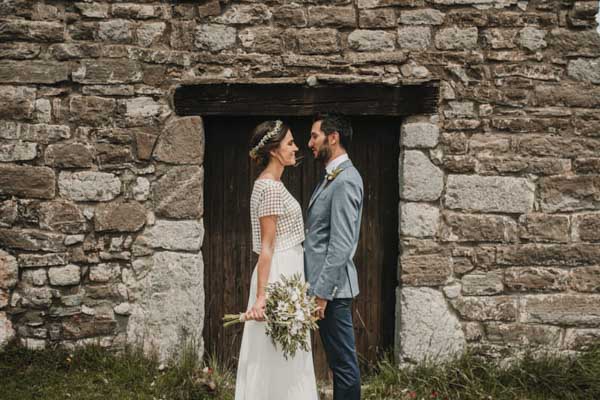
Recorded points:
(274, 170)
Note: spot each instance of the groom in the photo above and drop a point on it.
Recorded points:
(332, 228)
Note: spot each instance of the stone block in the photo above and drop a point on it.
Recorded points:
(317, 41)
(586, 70)
(89, 186)
(338, 17)
(26, 181)
(31, 240)
(9, 270)
(120, 217)
(585, 279)
(549, 254)
(245, 14)
(424, 16)
(173, 235)
(562, 309)
(536, 279)
(377, 18)
(569, 193)
(35, 31)
(18, 151)
(425, 270)
(371, 40)
(489, 194)
(418, 219)
(61, 216)
(427, 329)
(262, 40)
(478, 228)
(181, 142)
(420, 179)
(107, 71)
(43, 72)
(586, 227)
(169, 298)
(179, 193)
(456, 38)
(69, 155)
(420, 135)
(486, 308)
(544, 227)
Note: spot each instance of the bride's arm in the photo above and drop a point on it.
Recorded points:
(268, 226)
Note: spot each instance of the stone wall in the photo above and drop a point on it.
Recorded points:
(101, 184)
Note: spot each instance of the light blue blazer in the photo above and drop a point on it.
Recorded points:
(332, 229)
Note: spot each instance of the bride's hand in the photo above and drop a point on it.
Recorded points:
(257, 312)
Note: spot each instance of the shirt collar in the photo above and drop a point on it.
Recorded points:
(336, 162)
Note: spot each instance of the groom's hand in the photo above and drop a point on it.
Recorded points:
(321, 306)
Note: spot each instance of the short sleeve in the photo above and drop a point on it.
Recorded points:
(271, 202)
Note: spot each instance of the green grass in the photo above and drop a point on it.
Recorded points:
(95, 373)
(470, 377)
(92, 373)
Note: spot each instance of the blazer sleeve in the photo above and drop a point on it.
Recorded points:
(345, 211)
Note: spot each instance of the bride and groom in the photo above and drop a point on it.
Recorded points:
(330, 239)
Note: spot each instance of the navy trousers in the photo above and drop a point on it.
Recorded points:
(337, 335)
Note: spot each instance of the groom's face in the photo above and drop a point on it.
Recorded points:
(319, 143)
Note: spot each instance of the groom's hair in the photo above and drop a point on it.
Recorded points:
(336, 123)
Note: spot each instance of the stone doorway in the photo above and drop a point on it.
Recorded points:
(217, 101)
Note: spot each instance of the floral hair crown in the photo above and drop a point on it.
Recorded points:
(265, 139)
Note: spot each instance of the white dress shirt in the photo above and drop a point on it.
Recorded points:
(336, 162)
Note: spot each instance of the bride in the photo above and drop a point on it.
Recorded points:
(277, 235)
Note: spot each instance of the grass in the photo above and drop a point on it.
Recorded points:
(92, 372)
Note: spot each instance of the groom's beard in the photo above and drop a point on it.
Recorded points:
(324, 152)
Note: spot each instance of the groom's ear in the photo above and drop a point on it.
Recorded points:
(334, 137)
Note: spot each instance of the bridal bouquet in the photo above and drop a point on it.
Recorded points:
(289, 314)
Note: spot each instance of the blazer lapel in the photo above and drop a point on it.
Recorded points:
(325, 183)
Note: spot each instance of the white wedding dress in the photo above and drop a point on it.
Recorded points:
(263, 372)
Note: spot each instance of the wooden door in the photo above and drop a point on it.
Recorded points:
(227, 249)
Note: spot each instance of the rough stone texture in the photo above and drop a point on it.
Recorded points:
(414, 37)
(420, 134)
(369, 40)
(418, 219)
(173, 235)
(585, 70)
(9, 270)
(18, 151)
(64, 276)
(6, 330)
(26, 181)
(569, 193)
(487, 308)
(586, 279)
(214, 37)
(182, 142)
(167, 303)
(31, 240)
(544, 228)
(61, 216)
(489, 194)
(535, 279)
(523, 334)
(120, 217)
(426, 16)
(425, 270)
(72, 155)
(456, 38)
(89, 186)
(563, 309)
(478, 284)
(179, 193)
(484, 228)
(428, 329)
(586, 227)
(420, 179)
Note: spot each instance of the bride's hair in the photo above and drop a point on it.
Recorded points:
(266, 137)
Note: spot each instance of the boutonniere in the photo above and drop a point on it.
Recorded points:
(331, 176)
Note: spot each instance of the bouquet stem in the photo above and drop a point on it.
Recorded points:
(233, 319)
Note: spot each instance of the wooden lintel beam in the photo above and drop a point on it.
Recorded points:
(295, 99)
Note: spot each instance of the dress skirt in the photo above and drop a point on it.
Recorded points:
(263, 373)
